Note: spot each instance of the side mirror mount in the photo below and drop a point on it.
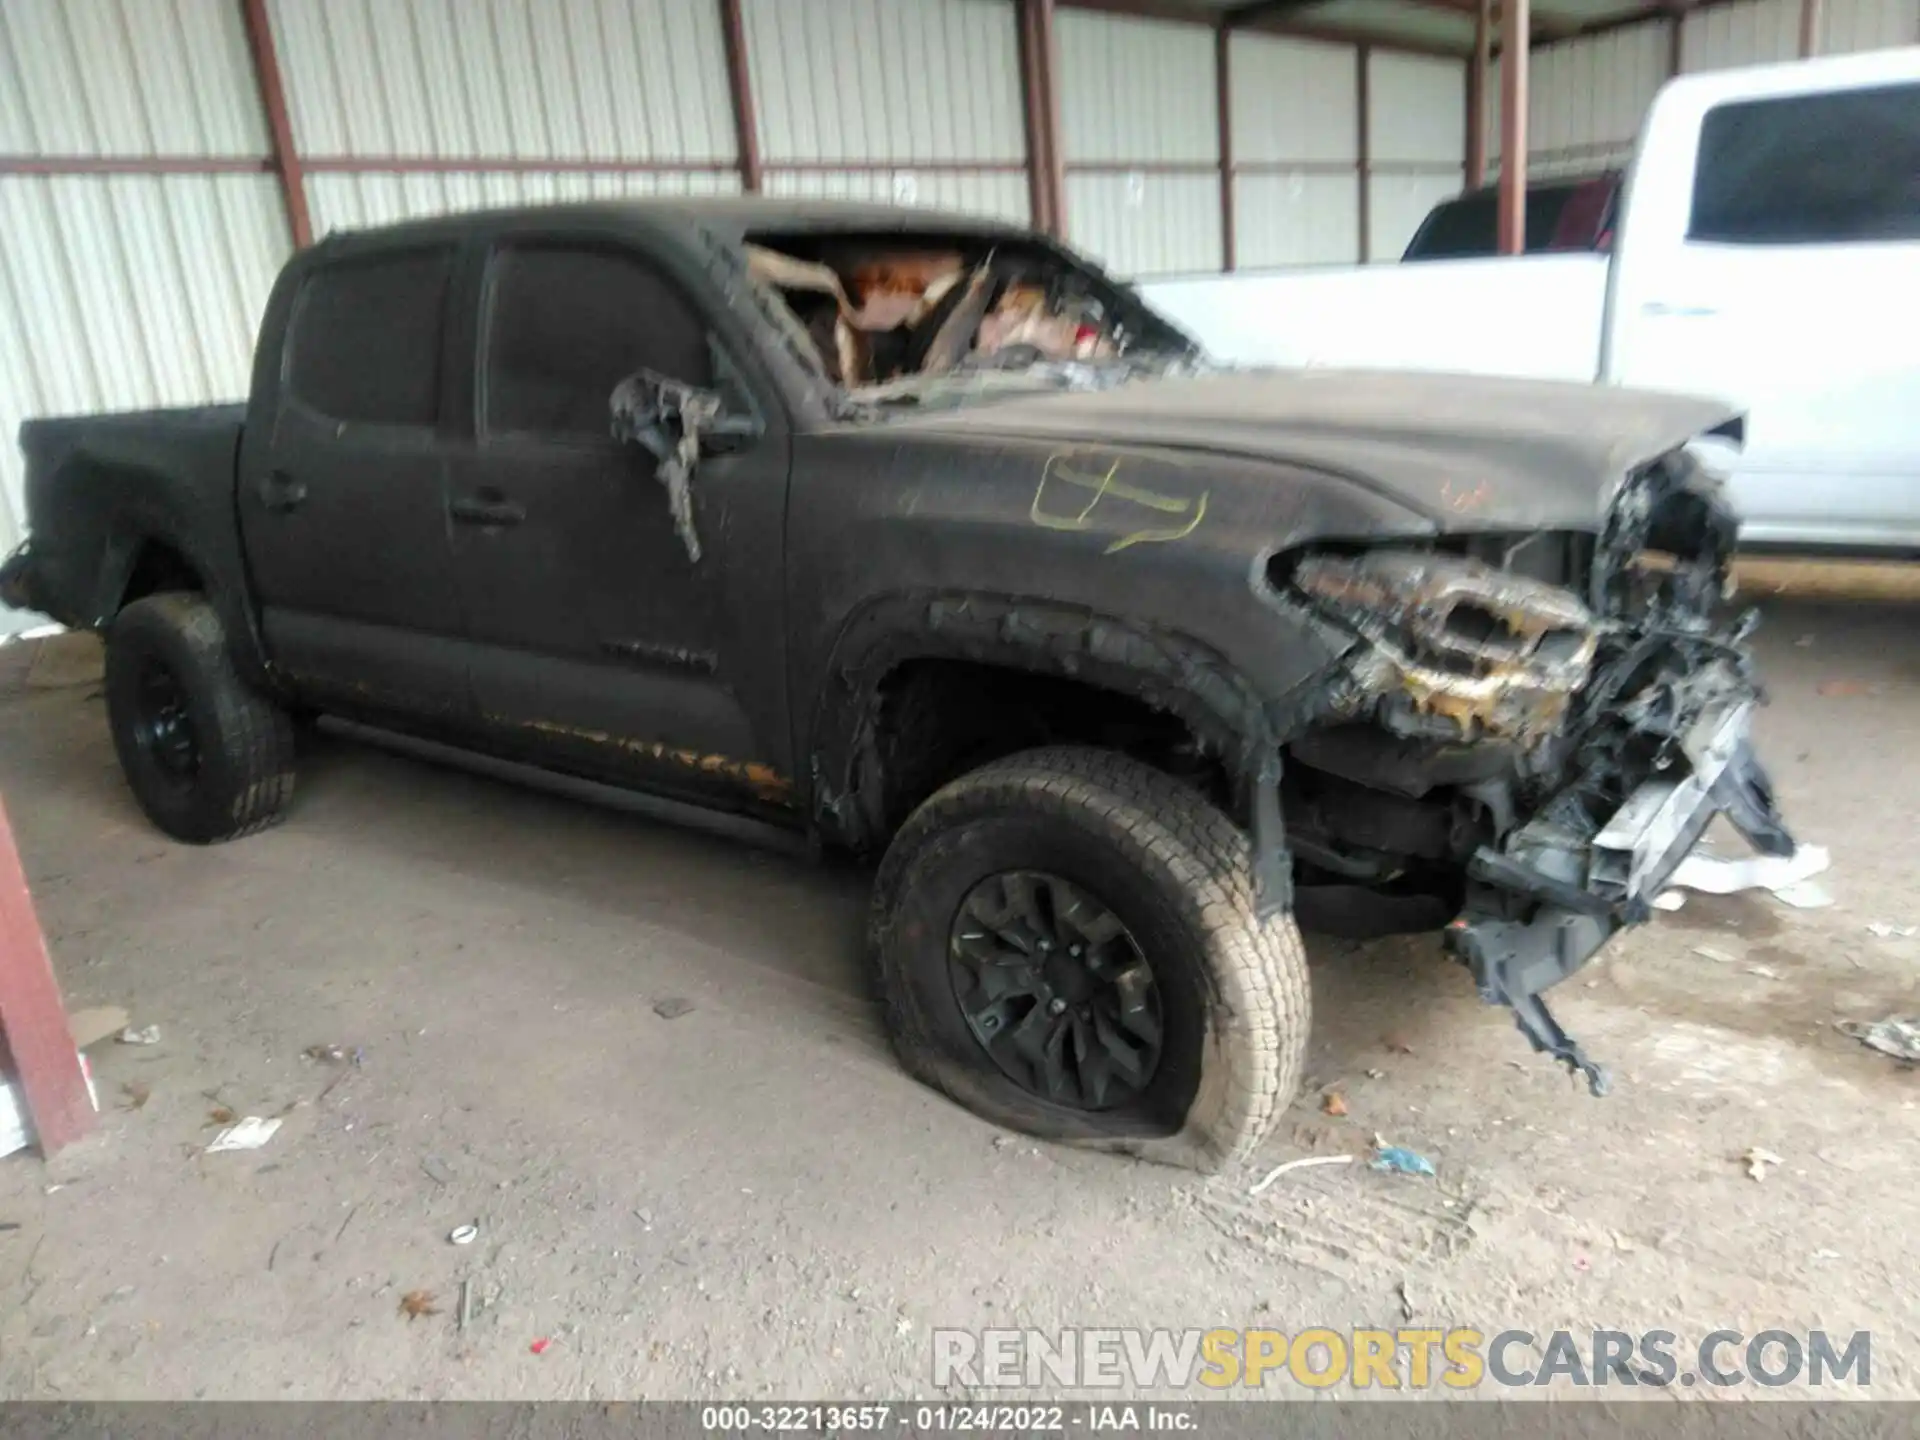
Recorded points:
(676, 424)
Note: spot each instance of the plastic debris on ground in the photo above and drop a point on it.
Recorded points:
(1881, 930)
(464, 1234)
(539, 1347)
(1758, 1161)
(1897, 1035)
(1788, 878)
(250, 1134)
(1670, 900)
(145, 1035)
(1398, 1160)
(1274, 1174)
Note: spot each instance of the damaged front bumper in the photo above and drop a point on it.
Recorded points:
(1542, 903)
(1616, 707)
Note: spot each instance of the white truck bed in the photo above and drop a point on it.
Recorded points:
(1536, 316)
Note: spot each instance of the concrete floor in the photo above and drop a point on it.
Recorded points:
(751, 1199)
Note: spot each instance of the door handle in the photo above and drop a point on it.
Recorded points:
(280, 492)
(493, 511)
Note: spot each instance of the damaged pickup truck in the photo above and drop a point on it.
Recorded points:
(919, 535)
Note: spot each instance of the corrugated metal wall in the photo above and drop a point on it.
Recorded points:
(124, 291)
(611, 83)
(1749, 34)
(926, 90)
(1586, 99)
(1849, 25)
(1296, 151)
(1417, 140)
(1140, 134)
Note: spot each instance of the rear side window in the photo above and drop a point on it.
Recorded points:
(1808, 169)
(366, 338)
(1469, 227)
(568, 324)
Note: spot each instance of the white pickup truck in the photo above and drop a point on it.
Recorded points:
(1767, 252)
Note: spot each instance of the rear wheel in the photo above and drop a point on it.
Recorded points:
(1066, 943)
(207, 757)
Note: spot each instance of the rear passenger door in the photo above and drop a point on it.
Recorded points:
(342, 490)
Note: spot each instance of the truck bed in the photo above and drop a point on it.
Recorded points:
(168, 472)
(1535, 317)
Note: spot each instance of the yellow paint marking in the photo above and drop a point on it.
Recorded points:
(1108, 484)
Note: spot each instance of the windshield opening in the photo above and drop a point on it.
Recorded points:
(919, 319)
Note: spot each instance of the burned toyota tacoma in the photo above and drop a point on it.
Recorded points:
(921, 537)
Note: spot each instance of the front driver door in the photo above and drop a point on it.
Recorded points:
(598, 641)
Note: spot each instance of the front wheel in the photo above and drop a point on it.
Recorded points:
(1066, 943)
(207, 756)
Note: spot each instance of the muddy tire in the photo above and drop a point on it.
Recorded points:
(207, 757)
(976, 1011)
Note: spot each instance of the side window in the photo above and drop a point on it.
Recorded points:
(1810, 169)
(567, 325)
(366, 338)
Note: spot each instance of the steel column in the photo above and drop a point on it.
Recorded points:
(1513, 126)
(285, 156)
(746, 127)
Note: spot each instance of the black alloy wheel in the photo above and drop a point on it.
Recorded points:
(1056, 989)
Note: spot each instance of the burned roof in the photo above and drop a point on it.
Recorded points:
(731, 217)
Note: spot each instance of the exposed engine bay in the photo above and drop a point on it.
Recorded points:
(1528, 735)
(879, 309)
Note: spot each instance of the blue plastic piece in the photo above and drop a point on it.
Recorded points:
(1401, 1161)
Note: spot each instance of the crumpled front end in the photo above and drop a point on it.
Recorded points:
(1531, 733)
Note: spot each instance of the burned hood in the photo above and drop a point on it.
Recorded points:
(1464, 452)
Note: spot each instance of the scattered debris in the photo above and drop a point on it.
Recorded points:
(416, 1303)
(95, 1023)
(1398, 1160)
(1719, 957)
(138, 1092)
(539, 1347)
(1406, 1300)
(1376, 1074)
(466, 1304)
(1782, 875)
(1765, 972)
(672, 1008)
(464, 1234)
(437, 1170)
(1300, 1164)
(1897, 1035)
(1805, 895)
(1333, 1103)
(1582, 1264)
(250, 1134)
(324, 1054)
(1881, 930)
(145, 1035)
(1670, 900)
(219, 1115)
(1757, 1161)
